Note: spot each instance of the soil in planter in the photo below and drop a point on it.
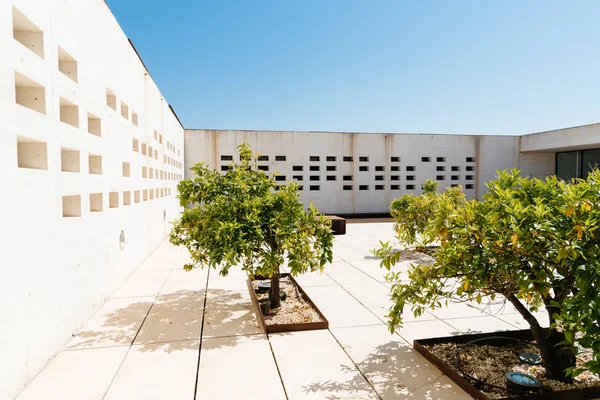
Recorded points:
(489, 363)
(294, 309)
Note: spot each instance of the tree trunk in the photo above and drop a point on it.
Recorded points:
(274, 296)
(555, 359)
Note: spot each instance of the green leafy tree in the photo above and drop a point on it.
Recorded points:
(535, 242)
(243, 218)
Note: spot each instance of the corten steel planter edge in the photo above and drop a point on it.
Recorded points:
(450, 372)
(308, 326)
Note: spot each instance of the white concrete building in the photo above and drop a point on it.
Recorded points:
(91, 153)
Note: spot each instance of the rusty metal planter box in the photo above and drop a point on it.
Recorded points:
(308, 326)
(450, 372)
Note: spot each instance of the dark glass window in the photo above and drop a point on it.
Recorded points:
(455, 168)
(470, 159)
(363, 187)
(315, 178)
(410, 168)
(315, 187)
(379, 168)
(347, 187)
(440, 159)
(410, 177)
(425, 159)
(440, 177)
(410, 187)
(395, 177)
(455, 177)
(263, 167)
(395, 187)
(567, 165)
(469, 186)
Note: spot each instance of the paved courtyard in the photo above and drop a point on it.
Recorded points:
(171, 334)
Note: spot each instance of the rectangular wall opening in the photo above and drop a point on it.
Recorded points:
(70, 160)
(32, 154)
(67, 64)
(124, 110)
(151, 194)
(69, 113)
(136, 196)
(145, 194)
(113, 199)
(27, 33)
(94, 125)
(30, 94)
(134, 118)
(136, 145)
(126, 169)
(96, 204)
(111, 99)
(144, 172)
(127, 198)
(71, 206)
(144, 148)
(95, 164)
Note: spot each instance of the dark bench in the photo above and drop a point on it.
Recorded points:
(338, 224)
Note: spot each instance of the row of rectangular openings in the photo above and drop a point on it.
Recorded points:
(30, 94)
(345, 159)
(27, 33)
(67, 64)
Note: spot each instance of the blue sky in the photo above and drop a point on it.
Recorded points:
(446, 66)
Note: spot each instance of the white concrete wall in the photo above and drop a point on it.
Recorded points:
(298, 147)
(56, 271)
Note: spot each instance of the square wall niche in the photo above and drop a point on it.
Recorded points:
(124, 110)
(71, 206)
(67, 64)
(95, 164)
(113, 199)
(69, 160)
(96, 203)
(134, 118)
(69, 113)
(32, 154)
(27, 33)
(127, 198)
(94, 125)
(111, 99)
(126, 169)
(136, 196)
(136, 145)
(30, 94)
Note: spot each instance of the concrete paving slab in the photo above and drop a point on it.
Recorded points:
(143, 283)
(395, 370)
(457, 310)
(115, 324)
(481, 325)
(173, 317)
(316, 278)
(426, 329)
(346, 253)
(157, 371)
(374, 296)
(340, 308)
(230, 313)
(344, 273)
(179, 280)
(238, 367)
(314, 366)
(235, 280)
(76, 375)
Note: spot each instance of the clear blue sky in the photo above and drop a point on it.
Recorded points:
(446, 66)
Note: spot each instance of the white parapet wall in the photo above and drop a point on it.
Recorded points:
(361, 173)
(76, 108)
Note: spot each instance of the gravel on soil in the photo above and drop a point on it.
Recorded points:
(489, 364)
(294, 309)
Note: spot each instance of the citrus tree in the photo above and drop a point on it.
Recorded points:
(243, 218)
(534, 242)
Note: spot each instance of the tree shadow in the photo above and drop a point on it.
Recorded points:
(174, 322)
(396, 371)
